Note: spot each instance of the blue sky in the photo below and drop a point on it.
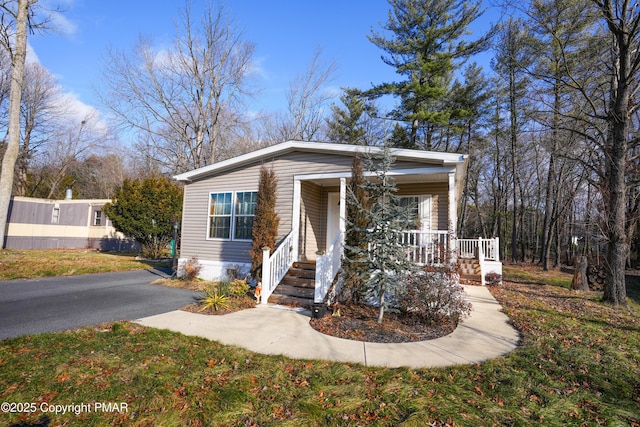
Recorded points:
(285, 33)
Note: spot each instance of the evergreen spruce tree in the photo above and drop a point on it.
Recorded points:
(383, 251)
(266, 220)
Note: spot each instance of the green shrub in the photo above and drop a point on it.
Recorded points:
(238, 288)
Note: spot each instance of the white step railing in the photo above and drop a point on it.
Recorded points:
(473, 248)
(275, 267)
(327, 266)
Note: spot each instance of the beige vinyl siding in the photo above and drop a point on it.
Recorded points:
(196, 199)
(311, 217)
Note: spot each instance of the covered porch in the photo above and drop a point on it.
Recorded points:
(318, 227)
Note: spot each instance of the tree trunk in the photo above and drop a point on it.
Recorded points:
(615, 166)
(13, 138)
(514, 164)
(615, 288)
(580, 282)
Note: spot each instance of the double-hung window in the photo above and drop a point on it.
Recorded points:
(97, 217)
(55, 214)
(231, 215)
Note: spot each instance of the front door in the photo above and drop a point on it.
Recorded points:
(333, 218)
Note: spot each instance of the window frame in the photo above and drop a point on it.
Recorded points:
(425, 210)
(55, 214)
(233, 216)
(97, 218)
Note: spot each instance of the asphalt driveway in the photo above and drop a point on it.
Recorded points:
(59, 303)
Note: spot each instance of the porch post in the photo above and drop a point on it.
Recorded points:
(295, 219)
(453, 219)
(343, 205)
(266, 276)
(481, 260)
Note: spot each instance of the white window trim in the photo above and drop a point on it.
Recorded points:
(55, 214)
(97, 217)
(425, 210)
(232, 222)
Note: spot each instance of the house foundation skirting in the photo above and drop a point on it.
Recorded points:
(42, 242)
(215, 270)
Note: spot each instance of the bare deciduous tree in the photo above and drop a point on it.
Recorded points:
(13, 37)
(622, 18)
(306, 99)
(173, 99)
(39, 95)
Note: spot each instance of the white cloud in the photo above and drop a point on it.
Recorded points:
(332, 91)
(256, 68)
(62, 24)
(56, 11)
(80, 112)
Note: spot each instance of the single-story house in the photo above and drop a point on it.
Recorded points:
(219, 202)
(34, 223)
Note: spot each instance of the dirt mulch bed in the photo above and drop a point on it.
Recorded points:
(232, 305)
(360, 323)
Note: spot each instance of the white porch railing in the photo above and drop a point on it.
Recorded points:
(489, 249)
(327, 267)
(423, 247)
(427, 247)
(275, 267)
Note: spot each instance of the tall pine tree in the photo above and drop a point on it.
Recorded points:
(428, 42)
(355, 123)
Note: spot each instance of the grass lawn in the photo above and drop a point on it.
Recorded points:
(16, 264)
(578, 364)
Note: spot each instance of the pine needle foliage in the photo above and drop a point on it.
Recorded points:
(266, 220)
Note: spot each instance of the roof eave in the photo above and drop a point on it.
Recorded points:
(446, 159)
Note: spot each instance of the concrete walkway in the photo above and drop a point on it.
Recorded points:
(269, 329)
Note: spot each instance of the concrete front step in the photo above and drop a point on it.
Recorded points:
(470, 278)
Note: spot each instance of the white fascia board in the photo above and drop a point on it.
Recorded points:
(322, 147)
(393, 172)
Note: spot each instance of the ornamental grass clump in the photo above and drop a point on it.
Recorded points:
(191, 268)
(213, 299)
(434, 297)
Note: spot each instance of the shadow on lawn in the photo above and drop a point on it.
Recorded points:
(633, 287)
(42, 422)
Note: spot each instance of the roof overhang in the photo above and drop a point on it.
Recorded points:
(451, 160)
